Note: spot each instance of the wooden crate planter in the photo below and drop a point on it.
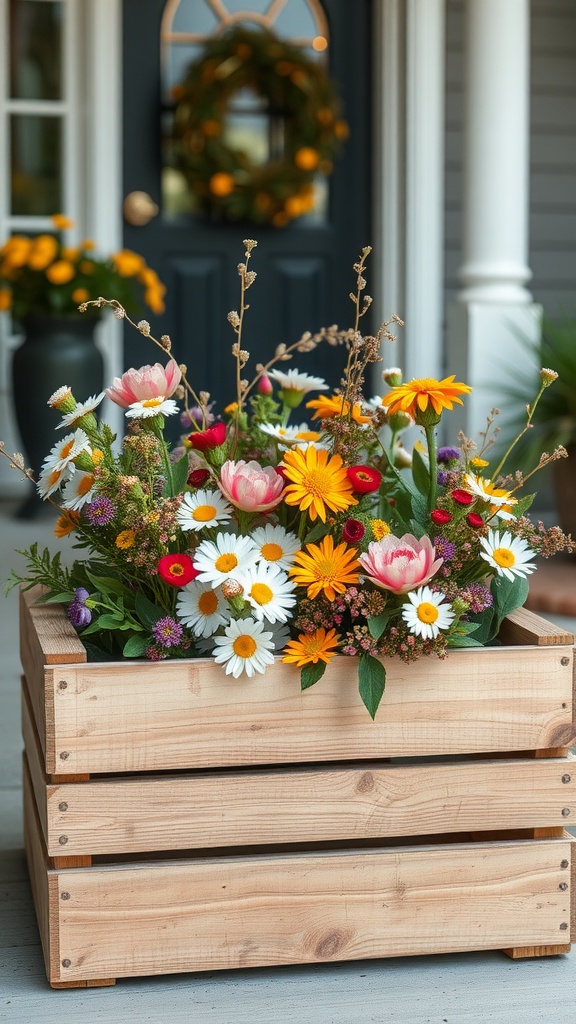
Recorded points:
(177, 820)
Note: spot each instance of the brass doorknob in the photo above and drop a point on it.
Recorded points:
(139, 208)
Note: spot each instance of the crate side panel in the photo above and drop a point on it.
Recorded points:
(219, 809)
(248, 912)
(132, 717)
(42, 881)
(34, 760)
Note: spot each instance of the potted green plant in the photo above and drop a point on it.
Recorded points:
(43, 281)
(552, 421)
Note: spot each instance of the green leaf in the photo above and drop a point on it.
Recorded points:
(508, 596)
(454, 640)
(466, 627)
(420, 512)
(180, 473)
(134, 647)
(109, 621)
(371, 682)
(420, 473)
(523, 505)
(107, 584)
(377, 624)
(310, 674)
(146, 610)
(64, 598)
(486, 629)
(316, 533)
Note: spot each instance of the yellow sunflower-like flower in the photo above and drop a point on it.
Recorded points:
(317, 481)
(425, 398)
(310, 648)
(65, 523)
(327, 407)
(323, 567)
(125, 539)
(60, 272)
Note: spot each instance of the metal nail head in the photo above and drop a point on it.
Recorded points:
(565, 661)
(62, 685)
(566, 778)
(565, 812)
(66, 963)
(63, 806)
(62, 840)
(64, 755)
(64, 895)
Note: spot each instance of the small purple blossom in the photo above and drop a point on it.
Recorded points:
(442, 477)
(81, 594)
(79, 614)
(167, 632)
(446, 454)
(477, 597)
(100, 512)
(444, 548)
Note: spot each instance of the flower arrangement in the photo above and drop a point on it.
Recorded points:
(41, 276)
(264, 535)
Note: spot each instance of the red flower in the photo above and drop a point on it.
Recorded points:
(198, 478)
(475, 520)
(364, 479)
(440, 516)
(177, 569)
(202, 440)
(353, 531)
(462, 497)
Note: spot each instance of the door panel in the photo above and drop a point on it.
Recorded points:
(304, 270)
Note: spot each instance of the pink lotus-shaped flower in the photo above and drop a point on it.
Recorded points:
(400, 564)
(251, 487)
(148, 382)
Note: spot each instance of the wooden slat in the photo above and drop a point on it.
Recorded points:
(114, 717)
(525, 627)
(233, 912)
(130, 815)
(44, 889)
(524, 952)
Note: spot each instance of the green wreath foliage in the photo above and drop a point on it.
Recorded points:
(225, 181)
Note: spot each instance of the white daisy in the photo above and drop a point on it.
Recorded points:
(225, 558)
(59, 396)
(78, 490)
(151, 407)
(293, 380)
(82, 409)
(509, 555)
(276, 546)
(372, 404)
(485, 489)
(68, 449)
(245, 647)
(269, 591)
(280, 636)
(426, 613)
(280, 433)
(203, 509)
(51, 479)
(202, 607)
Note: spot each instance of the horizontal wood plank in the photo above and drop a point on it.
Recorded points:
(130, 815)
(112, 717)
(235, 912)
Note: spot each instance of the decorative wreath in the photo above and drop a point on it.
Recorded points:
(225, 181)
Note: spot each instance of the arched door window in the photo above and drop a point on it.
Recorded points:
(186, 26)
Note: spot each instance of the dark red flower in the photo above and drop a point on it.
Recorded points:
(474, 519)
(198, 477)
(202, 440)
(364, 479)
(462, 497)
(440, 516)
(353, 531)
(178, 570)
(280, 471)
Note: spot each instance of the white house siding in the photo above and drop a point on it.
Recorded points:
(552, 224)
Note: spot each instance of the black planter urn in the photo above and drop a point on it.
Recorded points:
(56, 351)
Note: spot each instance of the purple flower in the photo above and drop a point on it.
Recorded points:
(477, 596)
(79, 614)
(442, 477)
(444, 548)
(447, 454)
(100, 512)
(82, 595)
(167, 632)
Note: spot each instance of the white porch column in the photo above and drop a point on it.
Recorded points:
(494, 306)
(425, 22)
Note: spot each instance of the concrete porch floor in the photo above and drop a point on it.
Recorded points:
(470, 988)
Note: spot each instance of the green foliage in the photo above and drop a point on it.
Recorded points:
(311, 673)
(371, 682)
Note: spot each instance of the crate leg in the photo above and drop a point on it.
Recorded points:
(93, 983)
(519, 952)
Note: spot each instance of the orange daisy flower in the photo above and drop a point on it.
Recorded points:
(425, 398)
(310, 648)
(329, 406)
(325, 568)
(316, 481)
